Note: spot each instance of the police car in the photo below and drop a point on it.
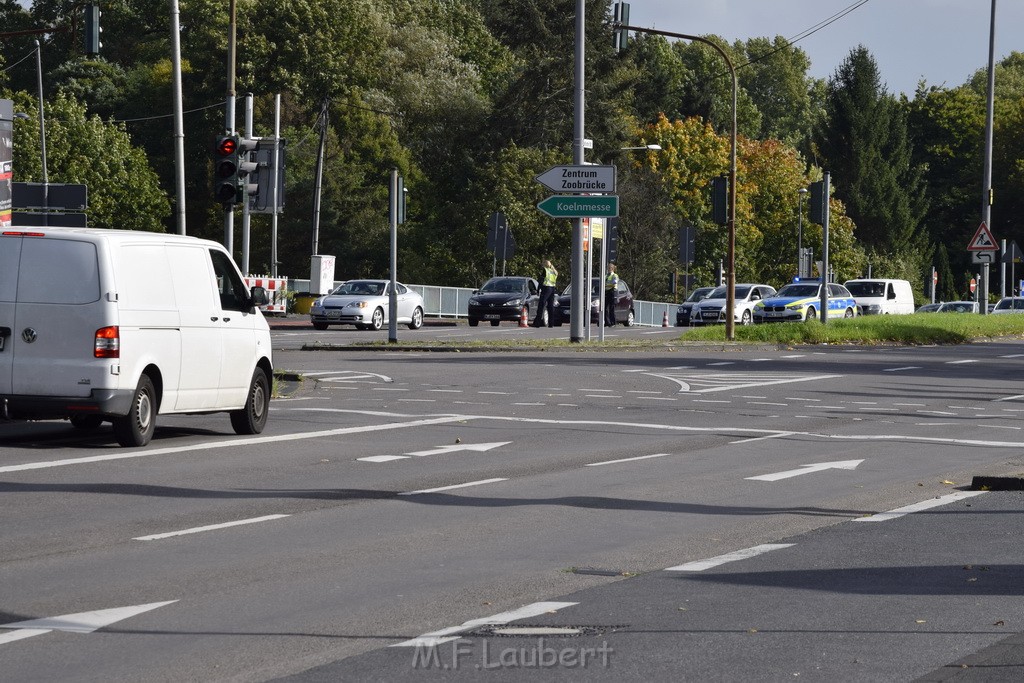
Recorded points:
(801, 301)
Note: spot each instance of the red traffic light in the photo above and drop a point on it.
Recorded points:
(227, 146)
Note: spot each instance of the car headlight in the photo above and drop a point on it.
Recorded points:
(473, 301)
(796, 307)
(758, 307)
(513, 302)
(357, 304)
(873, 308)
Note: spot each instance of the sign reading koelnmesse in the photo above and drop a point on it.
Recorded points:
(567, 206)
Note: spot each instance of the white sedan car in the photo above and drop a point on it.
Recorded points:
(365, 304)
(712, 309)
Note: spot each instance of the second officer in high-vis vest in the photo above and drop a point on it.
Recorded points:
(547, 295)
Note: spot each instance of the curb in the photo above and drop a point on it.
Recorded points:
(997, 483)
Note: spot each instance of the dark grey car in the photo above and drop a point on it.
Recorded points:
(503, 298)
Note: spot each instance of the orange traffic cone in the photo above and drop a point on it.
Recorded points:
(523, 322)
(664, 319)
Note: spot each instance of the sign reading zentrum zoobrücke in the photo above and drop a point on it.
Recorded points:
(579, 179)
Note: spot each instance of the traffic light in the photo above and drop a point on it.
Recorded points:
(817, 210)
(225, 170)
(92, 29)
(720, 200)
(244, 176)
(620, 17)
(232, 168)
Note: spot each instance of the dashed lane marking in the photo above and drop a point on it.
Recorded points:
(918, 507)
(745, 554)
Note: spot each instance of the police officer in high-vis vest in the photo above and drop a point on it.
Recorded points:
(547, 295)
(611, 283)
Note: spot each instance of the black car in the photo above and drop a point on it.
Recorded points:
(503, 298)
(624, 312)
(683, 312)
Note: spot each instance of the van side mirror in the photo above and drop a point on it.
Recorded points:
(258, 296)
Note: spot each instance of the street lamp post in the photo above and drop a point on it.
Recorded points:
(800, 234)
(730, 302)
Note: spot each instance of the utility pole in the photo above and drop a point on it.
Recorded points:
(229, 125)
(986, 185)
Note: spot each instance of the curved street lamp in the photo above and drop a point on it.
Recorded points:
(730, 302)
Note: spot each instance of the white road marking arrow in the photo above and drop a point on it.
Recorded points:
(807, 469)
(479, 447)
(82, 622)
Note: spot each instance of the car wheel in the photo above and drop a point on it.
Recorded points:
(473, 322)
(137, 427)
(849, 313)
(417, 319)
(811, 313)
(253, 417)
(630, 318)
(319, 326)
(86, 423)
(745, 319)
(377, 321)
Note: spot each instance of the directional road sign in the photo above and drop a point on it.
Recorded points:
(579, 179)
(597, 206)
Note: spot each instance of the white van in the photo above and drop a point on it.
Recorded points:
(119, 326)
(880, 296)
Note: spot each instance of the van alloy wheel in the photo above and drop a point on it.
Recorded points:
(253, 417)
(136, 428)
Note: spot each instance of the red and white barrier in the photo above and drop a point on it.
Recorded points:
(276, 288)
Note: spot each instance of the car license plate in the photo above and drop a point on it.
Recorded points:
(492, 316)
(333, 314)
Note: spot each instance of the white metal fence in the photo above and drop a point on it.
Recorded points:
(453, 302)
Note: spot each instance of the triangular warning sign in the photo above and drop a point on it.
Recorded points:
(983, 240)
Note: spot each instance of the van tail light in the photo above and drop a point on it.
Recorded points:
(108, 342)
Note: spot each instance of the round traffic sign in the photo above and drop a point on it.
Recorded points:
(974, 285)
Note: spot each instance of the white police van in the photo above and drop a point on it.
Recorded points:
(119, 326)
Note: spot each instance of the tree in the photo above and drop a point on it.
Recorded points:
(774, 76)
(124, 192)
(864, 142)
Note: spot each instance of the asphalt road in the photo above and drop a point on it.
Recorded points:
(397, 495)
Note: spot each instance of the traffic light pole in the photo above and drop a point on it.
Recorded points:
(179, 125)
(229, 126)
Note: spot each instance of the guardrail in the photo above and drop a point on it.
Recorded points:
(453, 302)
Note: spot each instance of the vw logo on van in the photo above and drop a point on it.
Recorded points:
(28, 335)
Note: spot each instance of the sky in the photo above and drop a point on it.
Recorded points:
(941, 41)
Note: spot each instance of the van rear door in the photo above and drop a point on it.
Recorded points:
(10, 255)
(58, 311)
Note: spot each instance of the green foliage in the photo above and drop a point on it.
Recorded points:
(863, 140)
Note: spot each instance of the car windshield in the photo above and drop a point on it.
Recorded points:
(698, 294)
(358, 287)
(503, 286)
(595, 288)
(958, 307)
(1008, 304)
(799, 290)
(723, 291)
(866, 288)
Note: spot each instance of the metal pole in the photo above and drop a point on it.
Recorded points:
(800, 234)
(604, 273)
(986, 201)
(229, 124)
(42, 136)
(1002, 272)
(274, 179)
(319, 178)
(580, 307)
(393, 294)
(823, 302)
(249, 133)
(179, 124)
